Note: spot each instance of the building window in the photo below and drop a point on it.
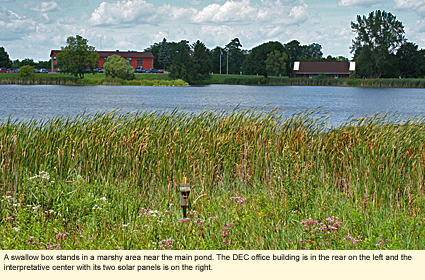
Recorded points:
(105, 59)
(140, 63)
(129, 60)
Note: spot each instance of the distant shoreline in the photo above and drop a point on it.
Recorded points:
(164, 80)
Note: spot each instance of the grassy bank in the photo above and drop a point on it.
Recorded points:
(111, 181)
(90, 79)
(285, 81)
(164, 80)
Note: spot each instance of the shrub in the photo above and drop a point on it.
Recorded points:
(26, 71)
(321, 76)
(118, 67)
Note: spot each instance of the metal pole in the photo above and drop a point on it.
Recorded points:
(227, 62)
(221, 53)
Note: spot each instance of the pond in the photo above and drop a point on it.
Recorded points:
(340, 103)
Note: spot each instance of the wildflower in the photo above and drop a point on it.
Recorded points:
(9, 219)
(31, 241)
(183, 220)
(16, 229)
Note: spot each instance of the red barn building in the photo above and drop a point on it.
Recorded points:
(136, 59)
(330, 69)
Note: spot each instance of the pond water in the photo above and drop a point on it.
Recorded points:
(340, 103)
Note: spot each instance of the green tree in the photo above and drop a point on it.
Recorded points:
(44, 64)
(276, 63)
(321, 76)
(26, 71)
(77, 56)
(378, 37)
(118, 67)
(236, 56)
(255, 60)
(312, 51)
(164, 57)
(28, 61)
(4, 58)
(294, 50)
(202, 64)
(410, 60)
(182, 63)
(16, 63)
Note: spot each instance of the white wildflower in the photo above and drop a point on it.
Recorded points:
(96, 207)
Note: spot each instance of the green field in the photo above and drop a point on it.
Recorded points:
(111, 181)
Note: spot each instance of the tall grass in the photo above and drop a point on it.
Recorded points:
(285, 81)
(110, 181)
(98, 79)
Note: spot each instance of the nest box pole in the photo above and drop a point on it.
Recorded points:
(184, 196)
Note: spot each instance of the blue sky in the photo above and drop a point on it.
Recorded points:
(30, 29)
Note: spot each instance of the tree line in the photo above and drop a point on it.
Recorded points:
(194, 62)
(379, 49)
(5, 61)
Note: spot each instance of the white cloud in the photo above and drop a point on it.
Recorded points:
(13, 26)
(125, 45)
(231, 11)
(415, 5)
(46, 7)
(365, 3)
(218, 34)
(278, 12)
(159, 36)
(137, 11)
(241, 12)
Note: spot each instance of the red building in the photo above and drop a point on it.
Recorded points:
(136, 59)
(330, 69)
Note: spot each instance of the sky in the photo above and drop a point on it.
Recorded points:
(31, 29)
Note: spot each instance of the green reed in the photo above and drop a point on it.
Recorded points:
(254, 175)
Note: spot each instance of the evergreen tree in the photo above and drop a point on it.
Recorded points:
(236, 56)
(201, 62)
(182, 64)
(164, 57)
(5, 61)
